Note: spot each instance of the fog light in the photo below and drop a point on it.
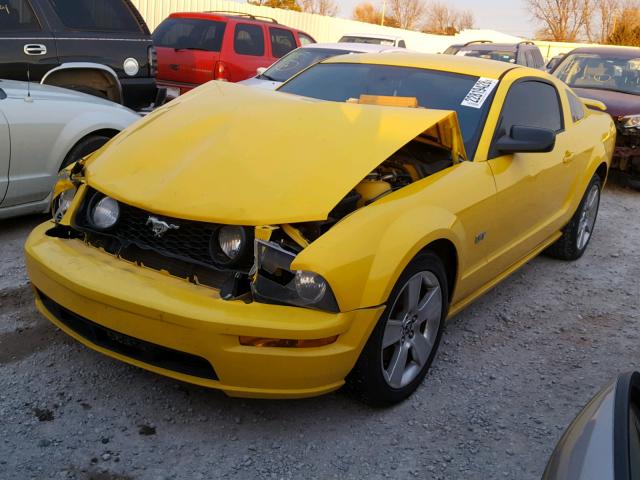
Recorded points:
(231, 240)
(310, 286)
(105, 214)
(285, 343)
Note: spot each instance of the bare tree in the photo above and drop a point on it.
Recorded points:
(408, 14)
(444, 20)
(626, 26)
(366, 12)
(562, 20)
(321, 7)
(284, 4)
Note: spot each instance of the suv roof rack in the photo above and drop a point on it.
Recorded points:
(477, 41)
(243, 14)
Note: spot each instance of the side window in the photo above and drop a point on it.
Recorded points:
(305, 39)
(249, 40)
(576, 106)
(17, 16)
(100, 15)
(402, 44)
(282, 41)
(530, 104)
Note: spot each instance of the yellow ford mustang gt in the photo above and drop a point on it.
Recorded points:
(278, 244)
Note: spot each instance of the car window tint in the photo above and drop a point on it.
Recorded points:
(249, 40)
(190, 34)
(435, 89)
(282, 41)
(305, 39)
(298, 60)
(101, 15)
(402, 44)
(17, 15)
(530, 104)
(576, 106)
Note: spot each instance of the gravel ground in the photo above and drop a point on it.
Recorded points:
(512, 372)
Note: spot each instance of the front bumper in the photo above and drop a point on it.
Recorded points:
(166, 314)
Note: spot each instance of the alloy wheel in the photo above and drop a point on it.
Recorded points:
(588, 217)
(411, 330)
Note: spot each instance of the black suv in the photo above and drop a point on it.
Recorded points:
(101, 47)
(523, 53)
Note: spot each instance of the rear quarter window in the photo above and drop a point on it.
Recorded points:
(17, 15)
(190, 34)
(282, 41)
(98, 15)
(305, 39)
(576, 106)
(249, 40)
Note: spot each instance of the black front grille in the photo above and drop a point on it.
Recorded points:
(183, 250)
(131, 347)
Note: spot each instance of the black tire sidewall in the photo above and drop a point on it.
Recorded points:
(83, 148)
(368, 377)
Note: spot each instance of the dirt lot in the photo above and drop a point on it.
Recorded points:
(513, 371)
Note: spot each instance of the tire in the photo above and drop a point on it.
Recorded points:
(411, 343)
(578, 232)
(83, 148)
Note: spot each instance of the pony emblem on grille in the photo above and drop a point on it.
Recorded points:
(160, 227)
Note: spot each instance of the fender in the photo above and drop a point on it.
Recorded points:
(363, 256)
(113, 76)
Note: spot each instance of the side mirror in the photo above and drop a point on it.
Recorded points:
(594, 104)
(261, 70)
(527, 140)
(603, 441)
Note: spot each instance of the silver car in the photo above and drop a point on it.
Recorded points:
(42, 130)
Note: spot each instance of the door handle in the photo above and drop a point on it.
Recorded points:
(35, 49)
(568, 156)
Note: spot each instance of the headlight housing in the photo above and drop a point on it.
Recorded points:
(630, 121)
(275, 282)
(104, 213)
(62, 203)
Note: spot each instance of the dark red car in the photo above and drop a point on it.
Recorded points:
(611, 75)
(194, 48)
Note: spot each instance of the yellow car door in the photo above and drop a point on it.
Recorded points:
(532, 188)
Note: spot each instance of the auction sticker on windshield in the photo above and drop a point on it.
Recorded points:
(479, 93)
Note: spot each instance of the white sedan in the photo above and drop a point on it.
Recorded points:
(42, 130)
(301, 58)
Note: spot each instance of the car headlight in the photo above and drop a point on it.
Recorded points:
(105, 213)
(62, 203)
(275, 281)
(630, 121)
(230, 245)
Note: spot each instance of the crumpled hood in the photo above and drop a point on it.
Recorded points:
(230, 154)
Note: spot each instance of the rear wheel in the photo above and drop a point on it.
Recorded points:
(403, 344)
(577, 234)
(83, 148)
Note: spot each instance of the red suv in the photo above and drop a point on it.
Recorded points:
(194, 48)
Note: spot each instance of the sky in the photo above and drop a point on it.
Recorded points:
(508, 16)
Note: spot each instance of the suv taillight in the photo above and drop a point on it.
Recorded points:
(153, 62)
(220, 72)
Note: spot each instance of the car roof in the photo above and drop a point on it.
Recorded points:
(223, 16)
(626, 52)
(492, 46)
(478, 67)
(357, 47)
(373, 35)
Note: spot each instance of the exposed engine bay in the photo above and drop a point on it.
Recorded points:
(418, 159)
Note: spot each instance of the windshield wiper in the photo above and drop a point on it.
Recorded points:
(267, 77)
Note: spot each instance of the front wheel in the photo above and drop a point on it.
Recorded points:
(403, 344)
(577, 234)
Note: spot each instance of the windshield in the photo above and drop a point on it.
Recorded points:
(499, 55)
(338, 82)
(298, 60)
(603, 72)
(369, 40)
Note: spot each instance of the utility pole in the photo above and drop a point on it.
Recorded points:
(384, 10)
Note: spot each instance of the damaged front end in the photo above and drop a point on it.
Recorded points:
(626, 157)
(179, 219)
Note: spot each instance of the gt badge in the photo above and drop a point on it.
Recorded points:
(160, 227)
